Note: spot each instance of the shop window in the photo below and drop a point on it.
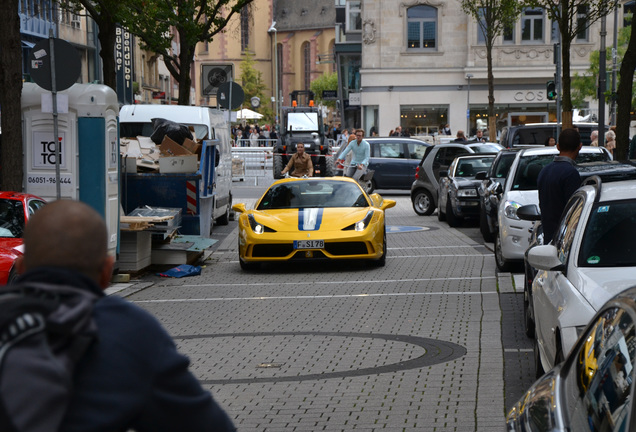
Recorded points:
(421, 28)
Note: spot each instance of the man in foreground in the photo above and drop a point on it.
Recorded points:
(131, 376)
(557, 182)
(300, 163)
(361, 151)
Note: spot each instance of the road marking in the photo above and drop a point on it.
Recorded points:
(436, 256)
(436, 247)
(340, 282)
(212, 299)
(518, 350)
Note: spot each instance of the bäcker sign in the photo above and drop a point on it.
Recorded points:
(124, 65)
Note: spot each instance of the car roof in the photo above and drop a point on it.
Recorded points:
(532, 151)
(397, 139)
(18, 196)
(477, 156)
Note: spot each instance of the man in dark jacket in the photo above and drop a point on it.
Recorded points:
(131, 377)
(557, 182)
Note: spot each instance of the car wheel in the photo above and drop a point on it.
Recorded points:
(502, 264)
(528, 318)
(247, 266)
(423, 202)
(13, 275)
(225, 219)
(483, 226)
(538, 366)
(453, 220)
(369, 186)
(330, 167)
(382, 261)
(278, 166)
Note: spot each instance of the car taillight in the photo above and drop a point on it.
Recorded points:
(417, 170)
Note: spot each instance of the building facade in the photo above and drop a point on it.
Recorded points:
(424, 65)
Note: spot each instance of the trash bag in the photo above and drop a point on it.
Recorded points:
(181, 271)
(175, 131)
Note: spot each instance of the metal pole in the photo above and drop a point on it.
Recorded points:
(56, 135)
(467, 134)
(602, 83)
(558, 83)
(276, 98)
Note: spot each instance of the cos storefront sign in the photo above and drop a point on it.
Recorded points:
(43, 158)
(529, 96)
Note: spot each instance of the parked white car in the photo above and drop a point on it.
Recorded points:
(591, 258)
(520, 188)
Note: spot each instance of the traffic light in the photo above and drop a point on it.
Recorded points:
(551, 90)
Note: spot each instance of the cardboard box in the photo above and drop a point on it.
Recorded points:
(192, 146)
(170, 148)
(178, 164)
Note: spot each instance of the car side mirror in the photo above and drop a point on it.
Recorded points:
(529, 212)
(499, 189)
(481, 175)
(239, 208)
(443, 174)
(545, 257)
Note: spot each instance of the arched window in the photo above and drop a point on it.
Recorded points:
(245, 28)
(306, 65)
(421, 27)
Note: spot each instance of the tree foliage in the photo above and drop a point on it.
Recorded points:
(328, 81)
(492, 16)
(567, 14)
(253, 85)
(186, 22)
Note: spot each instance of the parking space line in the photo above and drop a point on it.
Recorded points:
(435, 247)
(213, 299)
(340, 282)
(518, 350)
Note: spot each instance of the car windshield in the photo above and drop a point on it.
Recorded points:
(610, 235)
(486, 148)
(530, 166)
(313, 193)
(470, 167)
(302, 121)
(131, 130)
(11, 218)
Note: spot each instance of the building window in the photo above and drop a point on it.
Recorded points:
(421, 27)
(245, 28)
(306, 66)
(354, 16)
(423, 119)
(481, 25)
(532, 25)
(581, 22)
(509, 33)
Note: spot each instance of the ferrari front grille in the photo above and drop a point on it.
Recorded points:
(346, 248)
(271, 250)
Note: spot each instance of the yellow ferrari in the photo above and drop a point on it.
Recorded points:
(312, 219)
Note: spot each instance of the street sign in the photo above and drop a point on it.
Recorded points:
(223, 95)
(68, 65)
(213, 75)
(329, 94)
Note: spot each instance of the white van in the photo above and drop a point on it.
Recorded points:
(208, 123)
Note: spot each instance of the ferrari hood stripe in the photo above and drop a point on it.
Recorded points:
(309, 219)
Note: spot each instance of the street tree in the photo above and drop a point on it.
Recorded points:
(493, 17)
(573, 17)
(624, 101)
(328, 81)
(253, 85)
(159, 23)
(11, 170)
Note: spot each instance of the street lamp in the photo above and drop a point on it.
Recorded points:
(468, 76)
(272, 29)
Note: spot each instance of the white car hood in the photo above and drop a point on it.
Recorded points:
(598, 285)
(523, 197)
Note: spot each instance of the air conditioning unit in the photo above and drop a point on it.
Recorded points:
(76, 21)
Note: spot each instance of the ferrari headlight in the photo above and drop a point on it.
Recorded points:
(510, 209)
(361, 225)
(257, 227)
(467, 193)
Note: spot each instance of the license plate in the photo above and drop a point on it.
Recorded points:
(309, 244)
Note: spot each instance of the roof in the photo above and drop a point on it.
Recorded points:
(291, 15)
(535, 151)
(618, 190)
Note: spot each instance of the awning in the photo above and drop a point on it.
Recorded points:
(27, 44)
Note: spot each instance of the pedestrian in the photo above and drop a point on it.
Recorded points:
(446, 130)
(253, 137)
(239, 137)
(557, 182)
(461, 138)
(301, 162)
(398, 131)
(610, 141)
(479, 136)
(360, 160)
(594, 138)
(550, 142)
(131, 377)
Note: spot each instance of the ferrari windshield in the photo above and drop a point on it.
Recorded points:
(313, 193)
(11, 218)
(302, 121)
(610, 235)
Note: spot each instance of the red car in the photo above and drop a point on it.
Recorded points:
(15, 210)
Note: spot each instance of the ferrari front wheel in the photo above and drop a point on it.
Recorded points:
(382, 261)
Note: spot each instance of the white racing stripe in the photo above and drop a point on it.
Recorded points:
(214, 299)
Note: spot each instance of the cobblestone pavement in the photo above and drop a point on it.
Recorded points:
(414, 346)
